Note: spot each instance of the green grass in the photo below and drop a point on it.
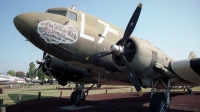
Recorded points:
(12, 95)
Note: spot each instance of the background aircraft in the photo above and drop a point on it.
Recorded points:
(81, 46)
(8, 79)
(35, 80)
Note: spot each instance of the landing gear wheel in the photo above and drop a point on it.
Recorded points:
(158, 102)
(189, 90)
(98, 85)
(76, 98)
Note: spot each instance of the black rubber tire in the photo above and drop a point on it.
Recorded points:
(98, 85)
(155, 102)
(75, 98)
(51, 82)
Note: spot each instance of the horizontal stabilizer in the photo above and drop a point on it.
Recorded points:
(192, 55)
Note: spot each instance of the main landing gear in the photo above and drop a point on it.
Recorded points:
(160, 99)
(79, 95)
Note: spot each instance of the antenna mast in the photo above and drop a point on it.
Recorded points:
(74, 6)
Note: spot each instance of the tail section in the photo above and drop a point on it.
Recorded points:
(192, 55)
(188, 69)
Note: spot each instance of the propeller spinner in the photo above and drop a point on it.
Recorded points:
(119, 49)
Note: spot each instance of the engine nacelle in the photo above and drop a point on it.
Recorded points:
(138, 57)
(144, 58)
(188, 69)
(64, 71)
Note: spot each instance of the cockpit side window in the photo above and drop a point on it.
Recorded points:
(72, 15)
(59, 12)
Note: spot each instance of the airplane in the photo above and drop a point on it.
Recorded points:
(8, 79)
(35, 80)
(84, 49)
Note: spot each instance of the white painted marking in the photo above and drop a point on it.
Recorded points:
(56, 33)
(114, 31)
(106, 30)
(83, 29)
(100, 40)
(183, 69)
(107, 27)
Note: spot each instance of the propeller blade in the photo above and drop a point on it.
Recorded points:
(131, 25)
(132, 75)
(35, 71)
(44, 54)
(98, 55)
(49, 72)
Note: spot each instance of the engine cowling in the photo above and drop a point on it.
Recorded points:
(137, 52)
(64, 71)
(143, 58)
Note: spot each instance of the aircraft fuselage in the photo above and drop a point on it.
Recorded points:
(71, 36)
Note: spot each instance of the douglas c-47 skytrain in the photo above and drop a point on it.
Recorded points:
(81, 48)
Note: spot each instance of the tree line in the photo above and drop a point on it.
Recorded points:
(30, 73)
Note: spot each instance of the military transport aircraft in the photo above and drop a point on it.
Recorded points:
(84, 49)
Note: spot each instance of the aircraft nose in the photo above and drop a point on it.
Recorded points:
(25, 23)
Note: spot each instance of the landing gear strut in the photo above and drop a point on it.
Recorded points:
(160, 99)
(79, 95)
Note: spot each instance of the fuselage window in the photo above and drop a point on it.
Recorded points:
(72, 15)
(59, 12)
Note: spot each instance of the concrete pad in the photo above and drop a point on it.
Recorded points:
(76, 108)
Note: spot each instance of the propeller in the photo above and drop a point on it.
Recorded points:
(98, 55)
(41, 62)
(119, 49)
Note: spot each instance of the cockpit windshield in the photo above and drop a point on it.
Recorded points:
(59, 11)
(63, 12)
(72, 15)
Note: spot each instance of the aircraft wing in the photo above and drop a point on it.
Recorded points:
(188, 69)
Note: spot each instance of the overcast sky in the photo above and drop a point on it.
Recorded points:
(171, 25)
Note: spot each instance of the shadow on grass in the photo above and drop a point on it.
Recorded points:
(126, 102)
(18, 98)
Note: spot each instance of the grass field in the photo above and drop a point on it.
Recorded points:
(19, 93)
